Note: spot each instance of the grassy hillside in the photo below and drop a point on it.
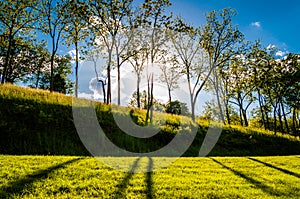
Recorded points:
(86, 177)
(38, 122)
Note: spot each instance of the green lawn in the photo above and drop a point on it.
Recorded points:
(87, 177)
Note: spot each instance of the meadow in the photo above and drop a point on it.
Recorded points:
(43, 156)
(210, 177)
(37, 122)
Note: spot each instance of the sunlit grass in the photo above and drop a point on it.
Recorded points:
(86, 177)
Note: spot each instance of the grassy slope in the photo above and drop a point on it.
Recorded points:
(86, 177)
(39, 122)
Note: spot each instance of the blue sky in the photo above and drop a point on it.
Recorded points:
(275, 22)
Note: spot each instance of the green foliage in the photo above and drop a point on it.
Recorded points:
(16, 18)
(178, 108)
(85, 177)
(61, 81)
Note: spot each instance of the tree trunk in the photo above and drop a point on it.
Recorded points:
(241, 117)
(285, 119)
(267, 120)
(52, 72)
(7, 58)
(76, 69)
(294, 120)
(216, 83)
(138, 92)
(280, 119)
(148, 101)
(193, 110)
(151, 101)
(275, 122)
(37, 79)
(245, 117)
(119, 76)
(108, 98)
(220, 108)
(108, 85)
(261, 110)
(170, 98)
(103, 90)
(119, 85)
(227, 111)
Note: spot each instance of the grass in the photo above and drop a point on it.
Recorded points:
(86, 177)
(38, 122)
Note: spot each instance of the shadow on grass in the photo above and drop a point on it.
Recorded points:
(122, 186)
(149, 181)
(256, 183)
(121, 192)
(277, 168)
(18, 186)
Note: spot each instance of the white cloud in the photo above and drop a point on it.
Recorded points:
(72, 53)
(280, 53)
(270, 46)
(256, 24)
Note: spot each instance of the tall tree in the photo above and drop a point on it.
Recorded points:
(139, 50)
(15, 17)
(53, 25)
(292, 96)
(123, 50)
(220, 39)
(192, 58)
(154, 21)
(241, 88)
(26, 58)
(41, 63)
(76, 30)
(105, 18)
(170, 74)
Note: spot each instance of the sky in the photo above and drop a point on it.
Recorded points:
(276, 23)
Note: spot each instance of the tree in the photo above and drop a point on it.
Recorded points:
(53, 24)
(15, 17)
(139, 51)
(220, 39)
(76, 31)
(94, 54)
(105, 18)
(241, 88)
(23, 59)
(61, 82)
(192, 57)
(259, 58)
(292, 96)
(40, 60)
(154, 22)
(178, 108)
(170, 74)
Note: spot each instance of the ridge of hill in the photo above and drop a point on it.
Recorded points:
(41, 123)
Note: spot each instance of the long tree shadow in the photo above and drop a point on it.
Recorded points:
(122, 186)
(277, 168)
(256, 183)
(149, 181)
(18, 186)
